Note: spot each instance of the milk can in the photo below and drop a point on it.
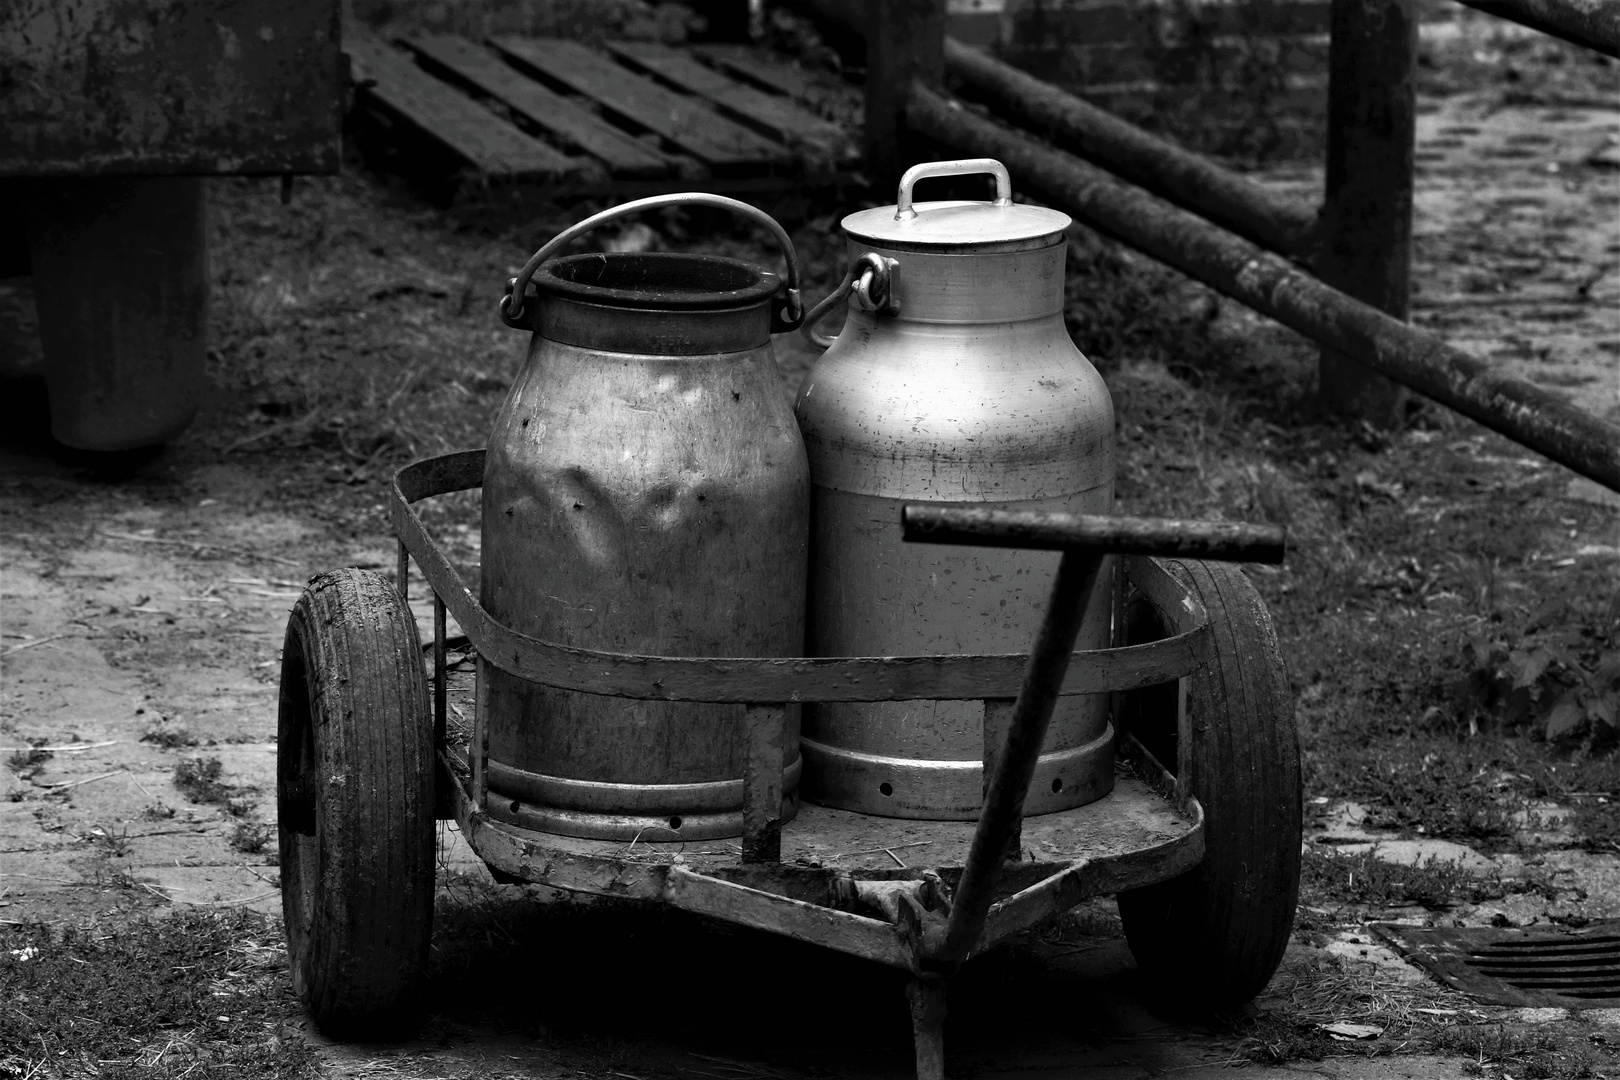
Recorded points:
(645, 492)
(953, 381)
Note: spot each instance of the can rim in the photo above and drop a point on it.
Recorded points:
(658, 280)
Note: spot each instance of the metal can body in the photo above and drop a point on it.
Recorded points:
(971, 392)
(650, 502)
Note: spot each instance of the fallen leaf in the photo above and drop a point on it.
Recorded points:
(1347, 1032)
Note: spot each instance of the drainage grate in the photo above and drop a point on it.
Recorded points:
(1539, 966)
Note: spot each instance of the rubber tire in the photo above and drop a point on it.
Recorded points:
(356, 735)
(1210, 940)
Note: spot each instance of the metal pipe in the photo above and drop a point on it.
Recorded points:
(1048, 530)
(1004, 803)
(1592, 23)
(1229, 199)
(1524, 412)
(440, 669)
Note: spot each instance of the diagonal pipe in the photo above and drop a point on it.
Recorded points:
(1229, 199)
(1592, 23)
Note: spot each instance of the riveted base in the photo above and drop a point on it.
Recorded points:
(950, 790)
(604, 811)
(650, 828)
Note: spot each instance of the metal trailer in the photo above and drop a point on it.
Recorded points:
(1199, 837)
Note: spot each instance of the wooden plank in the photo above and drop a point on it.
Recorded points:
(684, 121)
(741, 60)
(552, 112)
(771, 112)
(475, 134)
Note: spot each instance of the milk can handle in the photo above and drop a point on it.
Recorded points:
(961, 167)
(788, 318)
(871, 282)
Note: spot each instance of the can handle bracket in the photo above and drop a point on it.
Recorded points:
(785, 316)
(869, 285)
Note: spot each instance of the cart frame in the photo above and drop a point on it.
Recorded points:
(928, 919)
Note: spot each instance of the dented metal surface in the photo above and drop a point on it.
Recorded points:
(645, 490)
(100, 87)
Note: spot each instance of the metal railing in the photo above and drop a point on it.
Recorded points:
(1338, 275)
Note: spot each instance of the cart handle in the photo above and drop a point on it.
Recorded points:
(788, 318)
(1055, 530)
(1084, 540)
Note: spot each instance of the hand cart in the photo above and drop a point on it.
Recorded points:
(1199, 837)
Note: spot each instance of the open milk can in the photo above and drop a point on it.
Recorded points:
(645, 492)
(954, 380)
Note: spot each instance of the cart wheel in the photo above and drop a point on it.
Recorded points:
(354, 794)
(1212, 938)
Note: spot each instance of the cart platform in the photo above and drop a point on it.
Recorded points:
(840, 873)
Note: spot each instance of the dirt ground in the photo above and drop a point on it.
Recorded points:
(142, 609)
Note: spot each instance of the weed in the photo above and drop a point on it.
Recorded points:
(116, 843)
(204, 995)
(170, 738)
(251, 837)
(199, 781)
(1363, 878)
(27, 763)
(1434, 786)
(1558, 675)
(1539, 1053)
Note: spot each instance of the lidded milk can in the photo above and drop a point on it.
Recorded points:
(645, 492)
(954, 380)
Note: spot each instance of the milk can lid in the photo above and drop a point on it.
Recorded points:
(1000, 225)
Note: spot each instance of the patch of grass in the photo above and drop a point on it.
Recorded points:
(198, 779)
(170, 738)
(1120, 306)
(1543, 1052)
(27, 763)
(192, 994)
(1436, 786)
(1363, 878)
(252, 837)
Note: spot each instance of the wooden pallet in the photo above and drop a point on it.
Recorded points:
(631, 117)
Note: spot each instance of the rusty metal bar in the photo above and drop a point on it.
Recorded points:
(998, 714)
(1366, 230)
(764, 741)
(440, 700)
(402, 577)
(1592, 23)
(1047, 530)
(927, 996)
(1524, 412)
(1004, 804)
(1229, 199)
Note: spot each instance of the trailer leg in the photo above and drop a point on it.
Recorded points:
(927, 996)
